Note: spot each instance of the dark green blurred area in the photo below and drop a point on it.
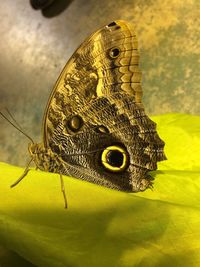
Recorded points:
(35, 46)
(11, 259)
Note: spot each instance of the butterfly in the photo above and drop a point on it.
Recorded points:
(95, 127)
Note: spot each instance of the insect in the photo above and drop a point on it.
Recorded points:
(95, 127)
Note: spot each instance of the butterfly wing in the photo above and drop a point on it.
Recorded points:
(92, 72)
(100, 88)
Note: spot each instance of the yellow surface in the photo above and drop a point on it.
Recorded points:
(103, 227)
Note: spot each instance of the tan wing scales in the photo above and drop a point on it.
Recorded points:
(91, 72)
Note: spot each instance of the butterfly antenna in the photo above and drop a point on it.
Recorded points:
(12, 117)
(18, 127)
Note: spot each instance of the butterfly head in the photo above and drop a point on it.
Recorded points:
(35, 149)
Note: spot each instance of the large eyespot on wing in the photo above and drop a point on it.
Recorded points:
(114, 158)
(104, 63)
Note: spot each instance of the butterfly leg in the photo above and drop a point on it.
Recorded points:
(23, 175)
(63, 190)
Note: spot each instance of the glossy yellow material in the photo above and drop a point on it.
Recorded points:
(104, 227)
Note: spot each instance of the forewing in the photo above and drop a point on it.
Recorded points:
(105, 63)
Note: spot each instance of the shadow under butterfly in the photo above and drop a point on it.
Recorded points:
(95, 127)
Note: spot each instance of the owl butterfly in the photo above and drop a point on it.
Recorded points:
(95, 127)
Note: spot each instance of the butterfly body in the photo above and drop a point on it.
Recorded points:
(45, 159)
(95, 127)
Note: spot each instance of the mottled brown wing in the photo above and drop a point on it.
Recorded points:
(106, 63)
(95, 127)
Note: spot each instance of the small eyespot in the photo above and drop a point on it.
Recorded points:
(114, 52)
(112, 24)
(75, 123)
(102, 129)
(115, 158)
